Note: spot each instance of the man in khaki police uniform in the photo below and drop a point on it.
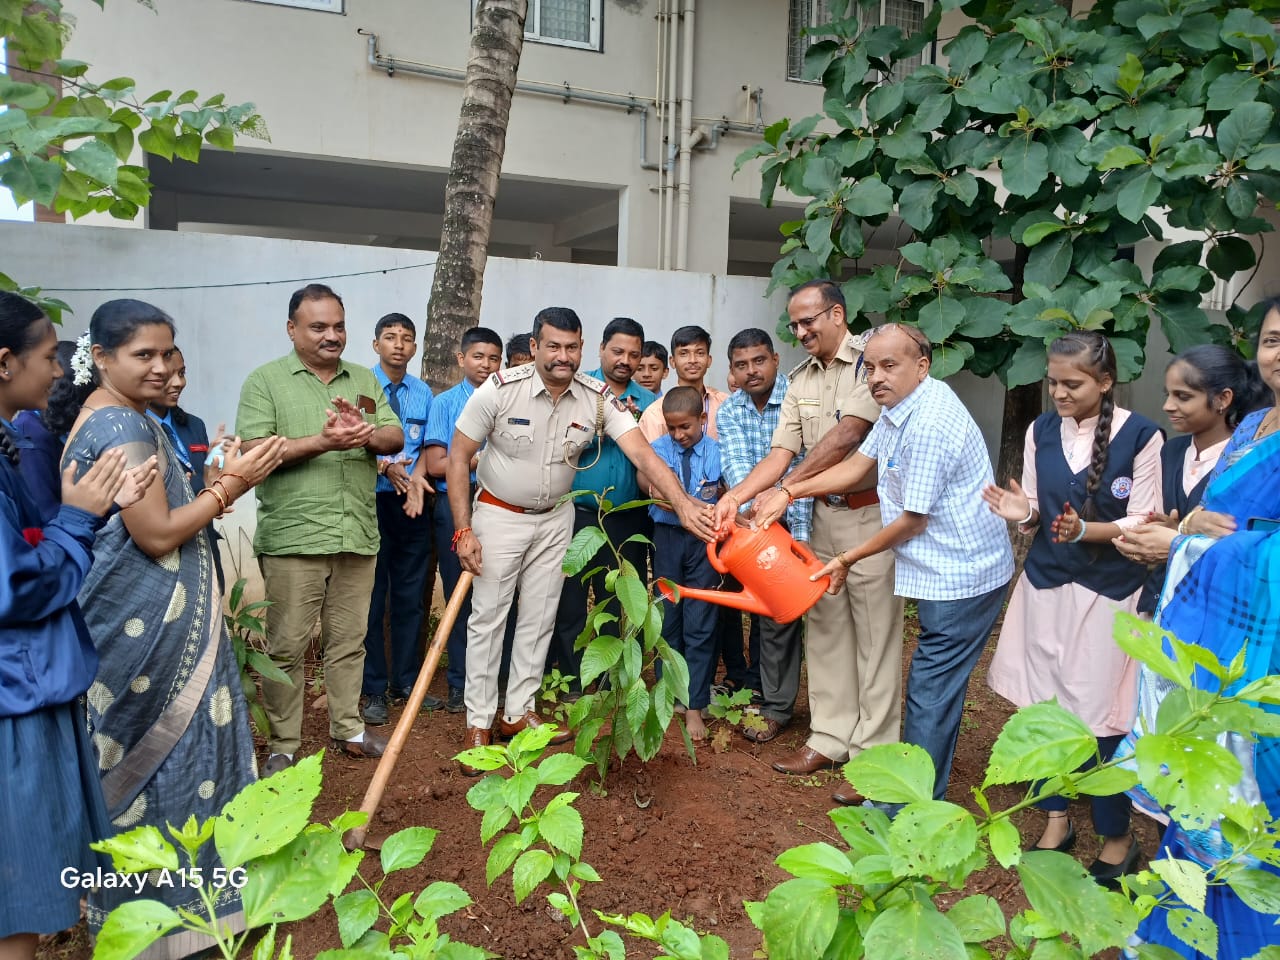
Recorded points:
(853, 640)
(537, 420)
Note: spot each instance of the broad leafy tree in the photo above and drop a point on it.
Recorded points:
(472, 188)
(1017, 175)
(66, 141)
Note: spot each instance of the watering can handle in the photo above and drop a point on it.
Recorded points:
(714, 557)
(802, 550)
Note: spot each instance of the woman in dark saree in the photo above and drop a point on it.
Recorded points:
(169, 724)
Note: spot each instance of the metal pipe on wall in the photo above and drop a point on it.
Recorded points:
(659, 99)
(687, 139)
(665, 183)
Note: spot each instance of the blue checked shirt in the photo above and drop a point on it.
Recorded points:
(933, 461)
(415, 403)
(704, 473)
(443, 418)
(746, 436)
(613, 468)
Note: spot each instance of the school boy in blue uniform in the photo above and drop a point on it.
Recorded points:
(404, 527)
(690, 625)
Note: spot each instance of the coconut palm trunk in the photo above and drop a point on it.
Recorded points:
(472, 188)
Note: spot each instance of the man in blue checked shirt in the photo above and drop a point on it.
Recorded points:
(404, 525)
(953, 554)
(745, 424)
(602, 468)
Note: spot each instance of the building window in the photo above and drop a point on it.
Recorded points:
(809, 15)
(327, 6)
(568, 23)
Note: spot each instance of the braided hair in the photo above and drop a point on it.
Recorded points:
(1093, 354)
(20, 330)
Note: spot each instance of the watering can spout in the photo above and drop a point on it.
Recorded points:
(738, 600)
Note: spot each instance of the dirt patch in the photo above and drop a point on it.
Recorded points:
(695, 838)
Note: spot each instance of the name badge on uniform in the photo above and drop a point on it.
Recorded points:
(518, 421)
(809, 402)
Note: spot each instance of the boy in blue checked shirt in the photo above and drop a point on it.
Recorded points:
(404, 526)
(479, 356)
(690, 625)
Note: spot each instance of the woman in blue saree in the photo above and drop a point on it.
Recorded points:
(168, 721)
(1222, 592)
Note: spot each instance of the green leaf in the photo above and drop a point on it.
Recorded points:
(1006, 845)
(915, 203)
(914, 931)
(821, 175)
(1185, 878)
(296, 880)
(406, 848)
(559, 768)
(963, 186)
(133, 926)
(892, 773)
(494, 822)
(940, 317)
(1191, 777)
(531, 869)
(950, 359)
(817, 861)
(1025, 164)
(159, 139)
(1119, 157)
(31, 178)
(562, 828)
(357, 913)
(637, 704)
(800, 918)
(847, 940)
(1060, 890)
(864, 829)
(520, 788)
(601, 654)
(1038, 231)
(267, 814)
(871, 197)
(1039, 741)
(139, 850)
(440, 899)
(1195, 930)
(586, 543)
(1243, 129)
(503, 855)
(1263, 690)
(1138, 196)
(977, 918)
(633, 595)
(1050, 261)
(265, 667)
(1258, 888)
(1144, 641)
(95, 159)
(931, 836)
(1230, 255)
(983, 317)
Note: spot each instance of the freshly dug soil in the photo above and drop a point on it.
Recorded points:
(693, 838)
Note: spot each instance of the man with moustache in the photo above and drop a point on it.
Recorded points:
(746, 423)
(605, 470)
(853, 641)
(536, 421)
(317, 535)
(953, 554)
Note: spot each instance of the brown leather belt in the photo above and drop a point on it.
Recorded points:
(489, 498)
(853, 501)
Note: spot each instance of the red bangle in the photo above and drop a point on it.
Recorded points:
(457, 535)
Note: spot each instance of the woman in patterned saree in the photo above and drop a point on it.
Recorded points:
(1222, 592)
(168, 722)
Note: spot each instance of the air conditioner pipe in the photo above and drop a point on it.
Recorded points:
(687, 139)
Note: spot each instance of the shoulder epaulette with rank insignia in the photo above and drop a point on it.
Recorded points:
(798, 367)
(591, 383)
(512, 374)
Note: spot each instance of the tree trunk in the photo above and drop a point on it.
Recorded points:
(472, 188)
(1021, 404)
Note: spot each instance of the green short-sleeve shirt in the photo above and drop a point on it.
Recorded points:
(324, 505)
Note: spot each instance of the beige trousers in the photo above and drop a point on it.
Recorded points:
(853, 643)
(524, 550)
(334, 588)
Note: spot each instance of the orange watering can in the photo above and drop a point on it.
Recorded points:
(773, 569)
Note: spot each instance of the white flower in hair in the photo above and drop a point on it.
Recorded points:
(81, 362)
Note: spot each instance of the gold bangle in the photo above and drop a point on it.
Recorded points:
(222, 507)
(1182, 524)
(847, 564)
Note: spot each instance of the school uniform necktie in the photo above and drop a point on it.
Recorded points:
(393, 398)
(686, 468)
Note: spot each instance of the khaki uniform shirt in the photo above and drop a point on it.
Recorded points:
(533, 442)
(819, 396)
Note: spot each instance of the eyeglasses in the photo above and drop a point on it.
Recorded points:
(804, 323)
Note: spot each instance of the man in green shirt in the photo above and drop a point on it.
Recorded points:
(317, 532)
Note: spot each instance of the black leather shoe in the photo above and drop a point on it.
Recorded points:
(1109, 874)
(374, 711)
(455, 703)
(1067, 844)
